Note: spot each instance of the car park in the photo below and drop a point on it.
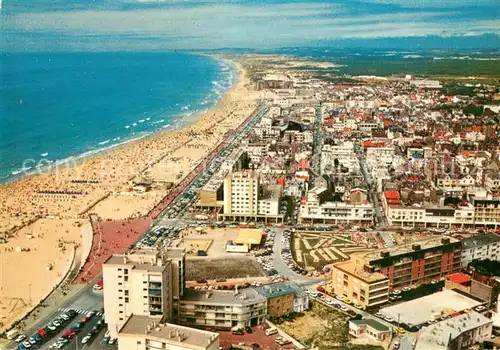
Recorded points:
(86, 339)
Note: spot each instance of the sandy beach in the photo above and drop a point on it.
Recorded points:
(101, 185)
(36, 259)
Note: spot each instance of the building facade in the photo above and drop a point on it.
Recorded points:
(222, 309)
(351, 279)
(138, 283)
(480, 247)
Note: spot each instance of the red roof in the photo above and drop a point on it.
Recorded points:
(391, 194)
(459, 278)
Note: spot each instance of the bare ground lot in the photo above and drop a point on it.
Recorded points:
(238, 267)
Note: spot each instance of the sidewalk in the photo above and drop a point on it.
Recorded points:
(51, 305)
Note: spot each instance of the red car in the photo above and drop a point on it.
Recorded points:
(68, 334)
(85, 319)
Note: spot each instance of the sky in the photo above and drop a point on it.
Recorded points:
(107, 25)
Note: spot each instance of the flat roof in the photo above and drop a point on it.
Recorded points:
(372, 323)
(249, 236)
(479, 240)
(459, 278)
(244, 296)
(122, 260)
(275, 290)
(408, 248)
(418, 311)
(437, 335)
(355, 267)
(188, 338)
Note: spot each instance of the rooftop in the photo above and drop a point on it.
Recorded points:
(438, 335)
(147, 260)
(355, 266)
(187, 338)
(479, 240)
(459, 278)
(409, 248)
(276, 290)
(418, 311)
(244, 296)
(372, 323)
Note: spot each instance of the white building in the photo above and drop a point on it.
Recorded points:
(241, 193)
(460, 332)
(222, 309)
(137, 283)
(313, 210)
(480, 247)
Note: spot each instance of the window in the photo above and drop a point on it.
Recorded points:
(120, 290)
(126, 293)
(126, 279)
(126, 299)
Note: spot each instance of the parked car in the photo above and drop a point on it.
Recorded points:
(237, 332)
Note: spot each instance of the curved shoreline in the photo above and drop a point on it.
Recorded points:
(180, 120)
(114, 167)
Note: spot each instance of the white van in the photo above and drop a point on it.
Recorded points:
(271, 331)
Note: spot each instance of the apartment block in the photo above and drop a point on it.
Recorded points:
(367, 278)
(222, 309)
(487, 212)
(145, 333)
(241, 193)
(353, 280)
(480, 247)
(142, 282)
(245, 198)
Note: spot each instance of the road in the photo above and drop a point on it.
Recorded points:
(282, 268)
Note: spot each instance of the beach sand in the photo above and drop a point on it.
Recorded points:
(20, 202)
(25, 275)
(166, 158)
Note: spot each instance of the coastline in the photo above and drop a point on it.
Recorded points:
(97, 165)
(36, 221)
(181, 121)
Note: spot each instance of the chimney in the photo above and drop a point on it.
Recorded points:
(445, 240)
(169, 334)
(236, 290)
(384, 254)
(415, 247)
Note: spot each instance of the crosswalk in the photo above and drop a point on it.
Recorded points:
(78, 311)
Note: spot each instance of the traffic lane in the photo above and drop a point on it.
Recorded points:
(82, 294)
(49, 338)
(76, 342)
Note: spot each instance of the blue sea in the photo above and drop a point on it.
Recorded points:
(56, 106)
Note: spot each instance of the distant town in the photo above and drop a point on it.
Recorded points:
(341, 212)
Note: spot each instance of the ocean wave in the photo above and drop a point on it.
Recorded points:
(44, 154)
(127, 126)
(185, 108)
(104, 142)
(134, 124)
(141, 120)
